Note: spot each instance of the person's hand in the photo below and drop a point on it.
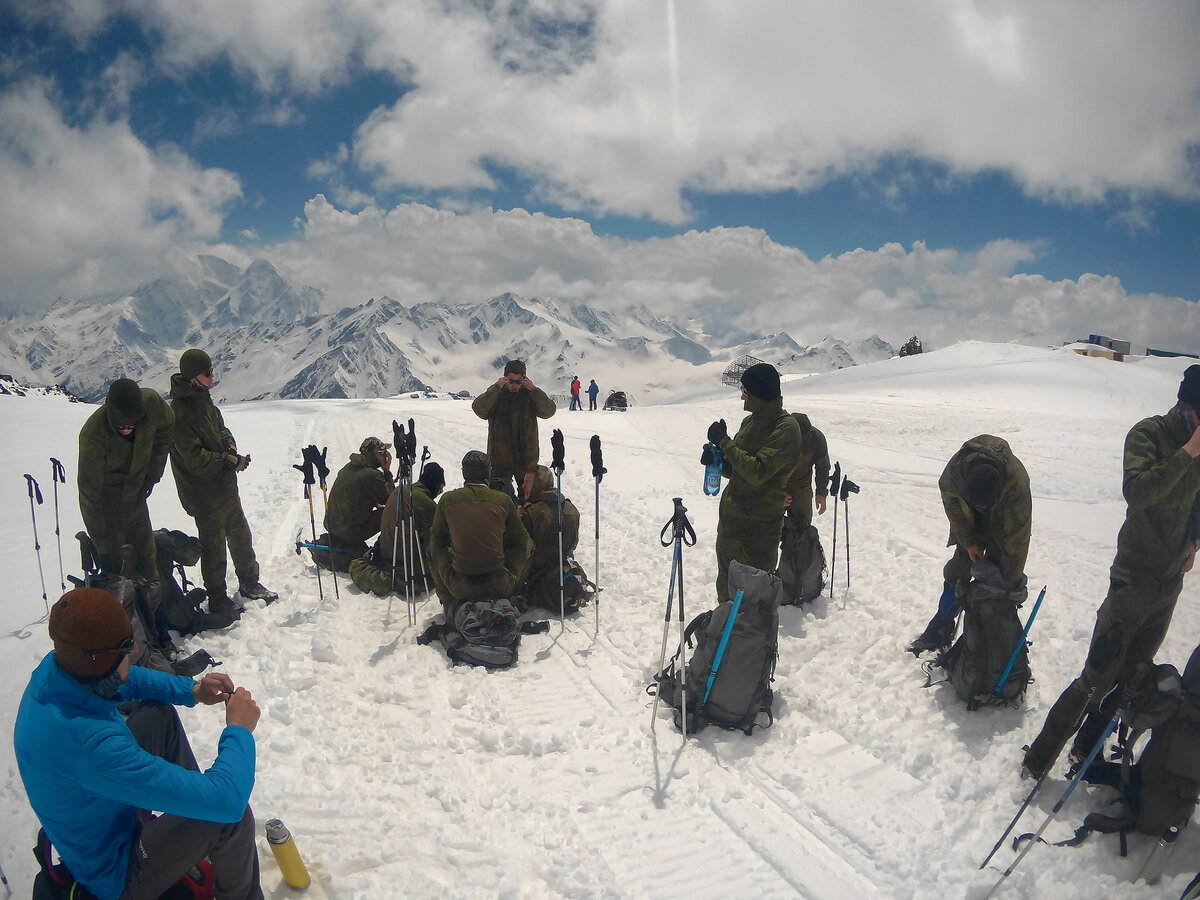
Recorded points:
(717, 432)
(1189, 559)
(820, 502)
(526, 383)
(236, 462)
(231, 445)
(975, 553)
(385, 461)
(213, 688)
(502, 382)
(1193, 444)
(240, 709)
(707, 457)
(787, 500)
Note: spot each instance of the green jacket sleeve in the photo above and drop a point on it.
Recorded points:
(517, 545)
(485, 403)
(543, 406)
(191, 454)
(820, 450)
(439, 546)
(90, 482)
(164, 427)
(1148, 480)
(779, 452)
(1015, 525)
(962, 522)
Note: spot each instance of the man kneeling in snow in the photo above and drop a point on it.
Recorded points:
(90, 774)
(478, 547)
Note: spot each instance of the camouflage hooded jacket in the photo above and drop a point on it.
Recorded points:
(759, 462)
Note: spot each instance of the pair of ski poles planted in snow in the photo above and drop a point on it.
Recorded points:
(558, 466)
(406, 534)
(313, 467)
(840, 488)
(59, 474)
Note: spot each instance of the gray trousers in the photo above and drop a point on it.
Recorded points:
(170, 846)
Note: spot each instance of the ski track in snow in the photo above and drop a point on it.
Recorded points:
(401, 775)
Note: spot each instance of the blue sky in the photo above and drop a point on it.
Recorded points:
(139, 131)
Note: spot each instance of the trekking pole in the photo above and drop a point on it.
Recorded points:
(598, 471)
(681, 534)
(59, 474)
(424, 456)
(35, 491)
(1037, 785)
(848, 488)
(410, 521)
(400, 442)
(1012, 660)
(1079, 773)
(558, 465)
(720, 654)
(318, 461)
(835, 484)
(306, 469)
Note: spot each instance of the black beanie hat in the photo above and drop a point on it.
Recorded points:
(124, 403)
(476, 468)
(194, 362)
(433, 477)
(1189, 388)
(761, 380)
(984, 483)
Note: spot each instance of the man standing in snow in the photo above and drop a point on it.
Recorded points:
(512, 407)
(1156, 547)
(206, 462)
(576, 402)
(759, 461)
(90, 773)
(592, 391)
(985, 492)
(359, 493)
(123, 450)
(477, 545)
(813, 460)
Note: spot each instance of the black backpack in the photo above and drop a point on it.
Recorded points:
(801, 562)
(485, 633)
(729, 675)
(992, 631)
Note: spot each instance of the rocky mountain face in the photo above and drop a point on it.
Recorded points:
(268, 339)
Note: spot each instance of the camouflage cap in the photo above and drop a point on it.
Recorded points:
(373, 445)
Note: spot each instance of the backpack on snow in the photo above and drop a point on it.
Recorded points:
(484, 633)
(728, 677)
(992, 630)
(801, 562)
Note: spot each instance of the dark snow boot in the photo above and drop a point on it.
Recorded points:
(257, 592)
(194, 664)
(221, 605)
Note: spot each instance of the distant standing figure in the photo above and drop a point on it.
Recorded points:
(592, 391)
(123, 450)
(512, 407)
(206, 463)
(576, 403)
(814, 461)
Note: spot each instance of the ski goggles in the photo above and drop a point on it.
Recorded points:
(123, 649)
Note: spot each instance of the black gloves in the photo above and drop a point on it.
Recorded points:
(707, 457)
(717, 432)
(236, 462)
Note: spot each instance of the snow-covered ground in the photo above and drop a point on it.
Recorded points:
(401, 776)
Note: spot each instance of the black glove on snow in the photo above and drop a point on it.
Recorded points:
(717, 432)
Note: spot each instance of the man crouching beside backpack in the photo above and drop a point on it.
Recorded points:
(91, 774)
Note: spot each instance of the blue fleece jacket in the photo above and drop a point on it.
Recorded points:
(86, 775)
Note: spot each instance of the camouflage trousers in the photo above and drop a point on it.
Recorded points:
(216, 528)
(759, 552)
(1130, 626)
(129, 526)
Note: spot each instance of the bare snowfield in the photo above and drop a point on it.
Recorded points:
(403, 776)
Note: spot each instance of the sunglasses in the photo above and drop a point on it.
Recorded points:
(515, 381)
(125, 648)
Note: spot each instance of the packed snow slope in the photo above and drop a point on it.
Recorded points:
(403, 776)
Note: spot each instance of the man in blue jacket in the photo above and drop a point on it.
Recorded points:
(91, 775)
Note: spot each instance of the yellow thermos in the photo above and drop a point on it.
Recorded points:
(287, 857)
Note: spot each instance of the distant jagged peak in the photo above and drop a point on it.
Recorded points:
(10, 387)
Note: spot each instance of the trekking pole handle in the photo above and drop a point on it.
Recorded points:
(679, 526)
(59, 473)
(556, 442)
(598, 469)
(34, 490)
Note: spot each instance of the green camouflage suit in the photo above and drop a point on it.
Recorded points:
(539, 515)
(512, 445)
(115, 474)
(1161, 485)
(759, 461)
(814, 463)
(208, 488)
(358, 494)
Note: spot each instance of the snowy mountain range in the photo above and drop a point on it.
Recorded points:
(270, 339)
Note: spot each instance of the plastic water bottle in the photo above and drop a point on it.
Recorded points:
(287, 857)
(712, 472)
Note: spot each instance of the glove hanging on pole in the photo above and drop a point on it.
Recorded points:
(556, 441)
(598, 471)
(306, 469)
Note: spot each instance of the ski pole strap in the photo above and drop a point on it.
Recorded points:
(679, 526)
(57, 470)
(1012, 660)
(556, 441)
(712, 674)
(410, 443)
(598, 469)
(34, 490)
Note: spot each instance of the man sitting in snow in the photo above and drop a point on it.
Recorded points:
(985, 492)
(477, 545)
(539, 515)
(359, 493)
(90, 774)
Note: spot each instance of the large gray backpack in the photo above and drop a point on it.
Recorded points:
(801, 562)
(729, 674)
